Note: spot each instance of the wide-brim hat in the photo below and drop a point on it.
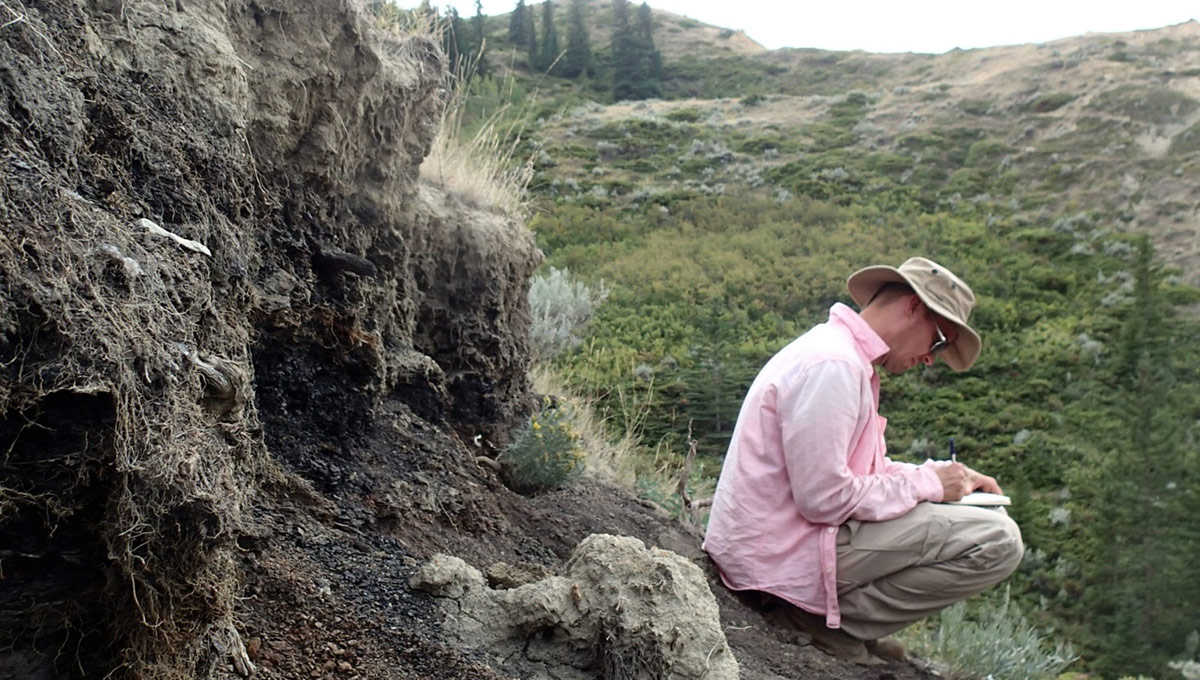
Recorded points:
(941, 291)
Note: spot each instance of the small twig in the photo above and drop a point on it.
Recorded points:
(22, 17)
(687, 470)
(691, 507)
(18, 17)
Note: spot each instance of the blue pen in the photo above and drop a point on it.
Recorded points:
(953, 453)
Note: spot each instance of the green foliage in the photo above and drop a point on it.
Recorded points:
(996, 642)
(546, 452)
(687, 114)
(1051, 102)
(547, 61)
(1186, 142)
(1157, 105)
(518, 25)
(986, 152)
(578, 61)
(976, 107)
(692, 75)
(1143, 553)
(637, 65)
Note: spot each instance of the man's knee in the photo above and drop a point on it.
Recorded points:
(1003, 549)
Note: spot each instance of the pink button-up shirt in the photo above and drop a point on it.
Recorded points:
(807, 454)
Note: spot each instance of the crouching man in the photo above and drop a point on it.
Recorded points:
(812, 520)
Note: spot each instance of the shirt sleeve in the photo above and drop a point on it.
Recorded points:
(820, 419)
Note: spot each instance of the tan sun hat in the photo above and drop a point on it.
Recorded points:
(939, 289)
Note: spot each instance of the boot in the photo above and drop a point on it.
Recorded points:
(887, 648)
(834, 642)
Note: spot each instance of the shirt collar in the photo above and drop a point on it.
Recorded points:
(866, 341)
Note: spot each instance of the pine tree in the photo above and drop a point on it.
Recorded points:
(1139, 595)
(482, 67)
(531, 39)
(647, 52)
(624, 59)
(549, 53)
(453, 39)
(577, 60)
(516, 25)
(637, 65)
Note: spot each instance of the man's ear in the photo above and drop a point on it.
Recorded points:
(915, 304)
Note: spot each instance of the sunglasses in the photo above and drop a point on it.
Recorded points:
(941, 343)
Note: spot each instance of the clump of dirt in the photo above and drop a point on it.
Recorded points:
(247, 360)
(620, 610)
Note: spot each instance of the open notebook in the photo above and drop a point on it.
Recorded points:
(981, 498)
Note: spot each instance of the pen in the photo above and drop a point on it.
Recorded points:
(953, 453)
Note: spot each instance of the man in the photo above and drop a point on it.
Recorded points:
(813, 520)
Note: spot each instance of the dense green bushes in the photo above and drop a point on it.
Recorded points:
(704, 294)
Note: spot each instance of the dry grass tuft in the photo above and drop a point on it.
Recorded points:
(483, 170)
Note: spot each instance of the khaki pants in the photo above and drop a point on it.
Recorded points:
(893, 573)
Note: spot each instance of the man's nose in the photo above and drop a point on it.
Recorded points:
(927, 359)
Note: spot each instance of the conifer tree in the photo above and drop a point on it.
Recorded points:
(624, 61)
(637, 65)
(453, 40)
(482, 67)
(517, 24)
(549, 53)
(1139, 596)
(531, 39)
(647, 52)
(577, 60)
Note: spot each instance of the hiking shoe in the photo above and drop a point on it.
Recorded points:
(887, 648)
(834, 642)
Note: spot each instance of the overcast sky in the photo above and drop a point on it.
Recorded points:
(905, 26)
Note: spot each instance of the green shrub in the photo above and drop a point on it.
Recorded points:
(546, 452)
(687, 114)
(976, 107)
(997, 643)
(1186, 142)
(986, 152)
(1051, 102)
(1157, 105)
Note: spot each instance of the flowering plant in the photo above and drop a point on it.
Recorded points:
(546, 452)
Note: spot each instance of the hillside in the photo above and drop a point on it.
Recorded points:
(1102, 123)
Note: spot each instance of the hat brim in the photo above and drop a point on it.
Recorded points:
(960, 355)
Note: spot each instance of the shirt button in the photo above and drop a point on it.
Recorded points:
(832, 529)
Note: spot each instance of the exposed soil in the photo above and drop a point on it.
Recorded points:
(327, 577)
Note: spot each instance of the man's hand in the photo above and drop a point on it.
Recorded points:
(959, 480)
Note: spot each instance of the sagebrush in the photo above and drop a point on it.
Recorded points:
(995, 642)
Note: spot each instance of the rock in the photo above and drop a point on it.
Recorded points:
(621, 610)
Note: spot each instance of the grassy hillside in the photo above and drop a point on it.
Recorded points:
(1058, 179)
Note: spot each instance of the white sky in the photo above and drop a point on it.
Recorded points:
(905, 26)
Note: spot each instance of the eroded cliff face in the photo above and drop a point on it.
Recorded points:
(226, 295)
